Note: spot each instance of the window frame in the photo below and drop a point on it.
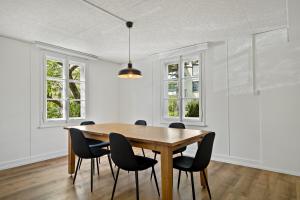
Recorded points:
(66, 60)
(180, 59)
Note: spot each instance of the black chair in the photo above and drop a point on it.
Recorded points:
(199, 163)
(141, 123)
(180, 150)
(84, 151)
(123, 156)
(92, 142)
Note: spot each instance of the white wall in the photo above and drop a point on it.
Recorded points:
(254, 111)
(22, 139)
(15, 103)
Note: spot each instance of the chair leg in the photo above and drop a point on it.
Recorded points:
(92, 173)
(178, 182)
(115, 184)
(154, 174)
(193, 187)
(152, 170)
(77, 167)
(151, 174)
(94, 167)
(137, 185)
(143, 152)
(97, 161)
(80, 162)
(186, 171)
(112, 171)
(206, 182)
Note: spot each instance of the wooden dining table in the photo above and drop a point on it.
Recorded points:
(164, 140)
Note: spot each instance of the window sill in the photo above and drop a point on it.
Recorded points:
(195, 123)
(60, 123)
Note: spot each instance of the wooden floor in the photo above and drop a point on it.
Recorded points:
(49, 180)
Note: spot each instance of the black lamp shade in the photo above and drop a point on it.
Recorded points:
(130, 73)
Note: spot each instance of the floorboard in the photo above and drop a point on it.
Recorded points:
(48, 180)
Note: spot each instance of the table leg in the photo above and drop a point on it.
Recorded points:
(167, 173)
(71, 156)
(202, 180)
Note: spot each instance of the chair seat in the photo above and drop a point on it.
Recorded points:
(174, 152)
(183, 163)
(96, 143)
(98, 151)
(144, 162)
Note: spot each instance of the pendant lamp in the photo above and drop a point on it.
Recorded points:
(129, 72)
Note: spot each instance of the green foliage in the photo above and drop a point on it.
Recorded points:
(173, 108)
(54, 110)
(54, 89)
(74, 109)
(74, 91)
(74, 72)
(54, 69)
(192, 108)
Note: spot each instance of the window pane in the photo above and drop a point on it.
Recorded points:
(191, 88)
(54, 89)
(75, 109)
(191, 68)
(75, 72)
(191, 108)
(54, 68)
(172, 108)
(172, 89)
(76, 90)
(54, 109)
(173, 71)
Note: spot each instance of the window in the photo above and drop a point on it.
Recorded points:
(64, 93)
(182, 89)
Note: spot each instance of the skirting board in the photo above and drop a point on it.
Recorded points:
(251, 163)
(246, 163)
(32, 159)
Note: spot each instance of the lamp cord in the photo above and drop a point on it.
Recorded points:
(103, 10)
(129, 46)
(116, 16)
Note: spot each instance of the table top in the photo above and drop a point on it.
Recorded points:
(160, 135)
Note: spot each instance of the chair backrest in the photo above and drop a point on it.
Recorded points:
(180, 126)
(177, 125)
(204, 152)
(87, 123)
(79, 144)
(141, 122)
(121, 152)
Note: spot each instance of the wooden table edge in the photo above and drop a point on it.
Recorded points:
(174, 145)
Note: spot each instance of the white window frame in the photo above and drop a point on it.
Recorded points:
(180, 59)
(66, 60)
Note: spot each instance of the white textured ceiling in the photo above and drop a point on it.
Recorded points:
(159, 25)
